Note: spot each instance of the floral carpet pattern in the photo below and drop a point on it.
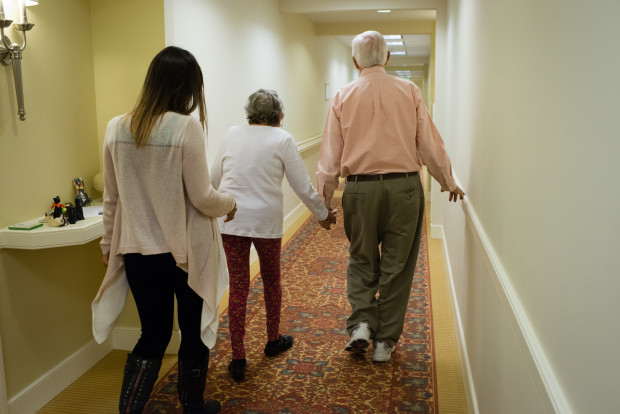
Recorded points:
(317, 375)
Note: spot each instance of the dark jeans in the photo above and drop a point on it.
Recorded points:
(154, 281)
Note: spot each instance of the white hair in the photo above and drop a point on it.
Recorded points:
(369, 49)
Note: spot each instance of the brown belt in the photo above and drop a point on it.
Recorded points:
(379, 177)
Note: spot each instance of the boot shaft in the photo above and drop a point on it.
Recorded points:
(139, 378)
(191, 387)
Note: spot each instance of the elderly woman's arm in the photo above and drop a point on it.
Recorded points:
(201, 193)
(297, 177)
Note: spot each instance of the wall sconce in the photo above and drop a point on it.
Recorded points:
(11, 53)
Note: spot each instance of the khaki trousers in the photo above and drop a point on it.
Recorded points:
(383, 221)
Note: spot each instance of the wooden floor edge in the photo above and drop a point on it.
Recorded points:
(450, 386)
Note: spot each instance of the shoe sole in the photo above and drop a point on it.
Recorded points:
(359, 345)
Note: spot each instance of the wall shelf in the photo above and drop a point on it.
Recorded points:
(47, 237)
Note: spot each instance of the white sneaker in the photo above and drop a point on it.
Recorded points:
(383, 352)
(359, 339)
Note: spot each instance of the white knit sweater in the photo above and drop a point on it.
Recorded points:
(159, 199)
(250, 165)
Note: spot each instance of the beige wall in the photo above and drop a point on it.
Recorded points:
(44, 295)
(126, 37)
(531, 120)
(122, 52)
(71, 93)
(270, 50)
(79, 68)
(57, 142)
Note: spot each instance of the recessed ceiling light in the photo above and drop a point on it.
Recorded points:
(392, 37)
(384, 11)
(395, 43)
(397, 53)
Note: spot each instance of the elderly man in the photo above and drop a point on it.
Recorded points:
(378, 135)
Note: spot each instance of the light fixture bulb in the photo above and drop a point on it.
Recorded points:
(384, 11)
(7, 8)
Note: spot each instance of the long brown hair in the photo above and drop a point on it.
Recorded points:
(173, 83)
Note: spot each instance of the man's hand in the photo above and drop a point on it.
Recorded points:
(106, 259)
(231, 214)
(331, 219)
(456, 193)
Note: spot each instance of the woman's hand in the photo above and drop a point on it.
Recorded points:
(106, 259)
(231, 214)
(331, 219)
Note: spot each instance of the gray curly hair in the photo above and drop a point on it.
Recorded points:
(264, 107)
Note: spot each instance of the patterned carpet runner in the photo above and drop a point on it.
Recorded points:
(317, 376)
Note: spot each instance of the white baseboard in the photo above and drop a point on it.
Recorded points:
(125, 338)
(468, 381)
(44, 389)
(436, 231)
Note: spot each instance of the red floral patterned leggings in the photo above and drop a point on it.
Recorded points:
(238, 258)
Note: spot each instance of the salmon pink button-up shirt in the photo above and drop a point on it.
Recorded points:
(379, 124)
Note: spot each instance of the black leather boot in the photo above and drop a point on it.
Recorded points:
(139, 379)
(191, 388)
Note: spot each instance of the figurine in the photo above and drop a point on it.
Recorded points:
(70, 214)
(78, 208)
(58, 209)
(55, 221)
(78, 183)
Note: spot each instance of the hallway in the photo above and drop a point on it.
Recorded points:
(434, 386)
(524, 95)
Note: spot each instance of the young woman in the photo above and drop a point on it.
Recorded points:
(161, 238)
(251, 164)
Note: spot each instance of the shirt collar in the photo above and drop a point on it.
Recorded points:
(373, 69)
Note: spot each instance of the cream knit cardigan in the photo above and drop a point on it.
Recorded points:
(159, 199)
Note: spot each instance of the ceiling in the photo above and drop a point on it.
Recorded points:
(412, 45)
(409, 60)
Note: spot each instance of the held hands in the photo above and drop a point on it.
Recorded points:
(231, 214)
(331, 219)
(457, 193)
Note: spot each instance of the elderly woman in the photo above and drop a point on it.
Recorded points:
(250, 166)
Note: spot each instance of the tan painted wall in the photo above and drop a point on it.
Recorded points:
(72, 92)
(57, 142)
(126, 37)
(536, 147)
(122, 52)
(273, 50)
(73, 80)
